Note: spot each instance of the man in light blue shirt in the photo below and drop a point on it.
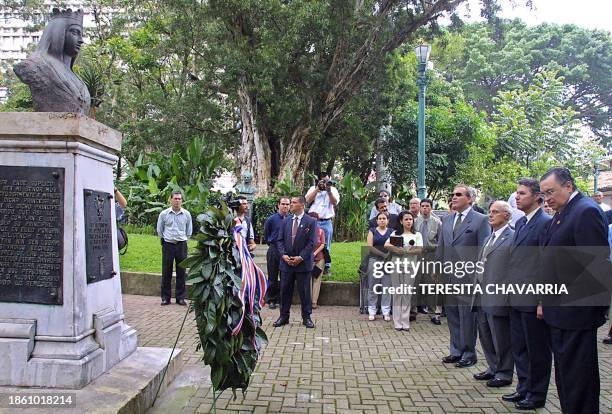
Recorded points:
(174, 227)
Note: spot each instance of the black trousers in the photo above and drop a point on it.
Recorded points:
(171, 254)
(576, 369)
(273, 263)
(287, 282)
(532, 355)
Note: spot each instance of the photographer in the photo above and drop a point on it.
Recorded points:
(242, 209)
(324, 197)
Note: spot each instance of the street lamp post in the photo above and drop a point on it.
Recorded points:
(422, 53)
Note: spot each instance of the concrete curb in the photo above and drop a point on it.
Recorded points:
(332, 293)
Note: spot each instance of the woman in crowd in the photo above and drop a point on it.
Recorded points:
(319, 261)
(392, 206)
(404, 243)
(377, 237)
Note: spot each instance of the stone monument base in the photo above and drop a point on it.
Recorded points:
(61, 313)
(129, 387)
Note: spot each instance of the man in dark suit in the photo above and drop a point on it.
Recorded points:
(272, 227)
(383, 207)
(295, 245)
(462, 233)
(529, 335)
(573, 329)
(493, 319)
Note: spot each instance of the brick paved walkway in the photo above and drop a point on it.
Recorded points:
(345, 365)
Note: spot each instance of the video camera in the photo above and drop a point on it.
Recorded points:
(228, 199)
(323, 184)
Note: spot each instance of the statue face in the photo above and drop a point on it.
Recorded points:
(73, 40)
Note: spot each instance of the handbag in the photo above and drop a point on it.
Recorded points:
(316, 272)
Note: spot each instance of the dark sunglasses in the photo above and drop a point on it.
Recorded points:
(457, 194)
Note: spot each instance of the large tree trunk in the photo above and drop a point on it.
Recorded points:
(296, 155)
(255, 155)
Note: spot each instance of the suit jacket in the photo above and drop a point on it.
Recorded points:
(434, 224)
(525, 266)
(305, 241)
(575, 253)
(472, 233)
(495, 272)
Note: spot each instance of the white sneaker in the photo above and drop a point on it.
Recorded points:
(372, 317)
(387, 318)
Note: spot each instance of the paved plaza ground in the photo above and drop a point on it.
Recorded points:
(345, 365)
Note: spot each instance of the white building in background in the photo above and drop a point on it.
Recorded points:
(16, 35)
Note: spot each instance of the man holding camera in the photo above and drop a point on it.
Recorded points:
(324, 197)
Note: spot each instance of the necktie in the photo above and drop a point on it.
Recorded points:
(457, 225)
(519, 227)
(294, 230)
(489, 245)
(425, 233)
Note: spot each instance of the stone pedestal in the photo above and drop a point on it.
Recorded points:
(61, 313)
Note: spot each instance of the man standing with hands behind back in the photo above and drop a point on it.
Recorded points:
(272, 228)
(296, 242)
(324, 198)
(175, 228)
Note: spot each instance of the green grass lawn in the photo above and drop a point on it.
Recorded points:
(144, 255)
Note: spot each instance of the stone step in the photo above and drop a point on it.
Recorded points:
(128, 388)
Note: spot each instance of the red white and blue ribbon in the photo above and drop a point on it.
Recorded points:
(254, 281)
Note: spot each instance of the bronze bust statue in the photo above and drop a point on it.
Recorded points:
(48, 71)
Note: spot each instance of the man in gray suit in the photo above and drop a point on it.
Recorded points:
(493, 314)
(461, 235)
(428, 225)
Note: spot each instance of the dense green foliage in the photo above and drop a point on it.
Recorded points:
(490, 58)
(354, 207)
(154, 176)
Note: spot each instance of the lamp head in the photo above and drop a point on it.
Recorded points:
(422, 53)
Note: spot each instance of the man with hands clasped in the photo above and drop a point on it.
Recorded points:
(296, 243)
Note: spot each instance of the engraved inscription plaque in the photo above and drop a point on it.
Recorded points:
(31, 234)
(98, 235)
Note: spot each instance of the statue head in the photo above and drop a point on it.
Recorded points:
(63, 35)
(247, 177)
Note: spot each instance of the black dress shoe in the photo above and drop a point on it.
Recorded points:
(165, 302)
(465, 363)
(483, 376)
(308, 323)
(181, 302)
(273, 305)
(421, 309)
(498, 382)
(280, 322)
(436, 320)
(529, 405)
(450, 359)
(514, 397)
(607, 340)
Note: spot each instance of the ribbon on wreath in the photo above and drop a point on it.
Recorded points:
(254, 281)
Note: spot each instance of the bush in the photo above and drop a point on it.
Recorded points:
(354, 207)
(153, 178)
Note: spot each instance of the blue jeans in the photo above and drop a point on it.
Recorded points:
(328, 229)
